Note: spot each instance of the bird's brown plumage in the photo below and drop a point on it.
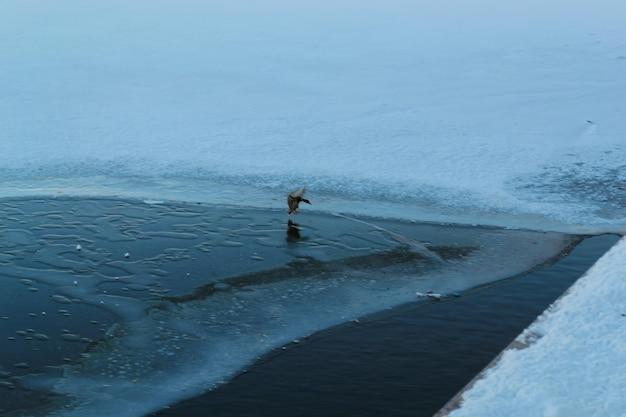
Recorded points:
(295, 198)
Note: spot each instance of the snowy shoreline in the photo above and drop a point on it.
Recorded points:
(575, 346)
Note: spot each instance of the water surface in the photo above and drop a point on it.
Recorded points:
(407, 362)
(120, 307)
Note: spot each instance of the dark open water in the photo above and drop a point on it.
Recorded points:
(106, 301)
(406, 362)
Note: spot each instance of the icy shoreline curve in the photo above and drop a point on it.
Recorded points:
(156, 191)
(570, 362)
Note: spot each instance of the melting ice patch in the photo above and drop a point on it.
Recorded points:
(594, 189)
(206, 290)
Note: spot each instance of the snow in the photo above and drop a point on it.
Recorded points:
(470, 112)
(576, 367)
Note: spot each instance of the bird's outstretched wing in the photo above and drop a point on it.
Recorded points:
(297, 193)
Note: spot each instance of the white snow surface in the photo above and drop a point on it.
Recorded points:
(576, 368)
(485, 107)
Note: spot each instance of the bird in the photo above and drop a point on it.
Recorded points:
(294, 198)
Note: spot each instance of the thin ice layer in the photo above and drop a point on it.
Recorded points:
(205, 291)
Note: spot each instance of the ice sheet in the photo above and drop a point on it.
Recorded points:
(480, 108)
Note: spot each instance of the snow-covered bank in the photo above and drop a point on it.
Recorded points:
(488, 108)
(575, 362)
